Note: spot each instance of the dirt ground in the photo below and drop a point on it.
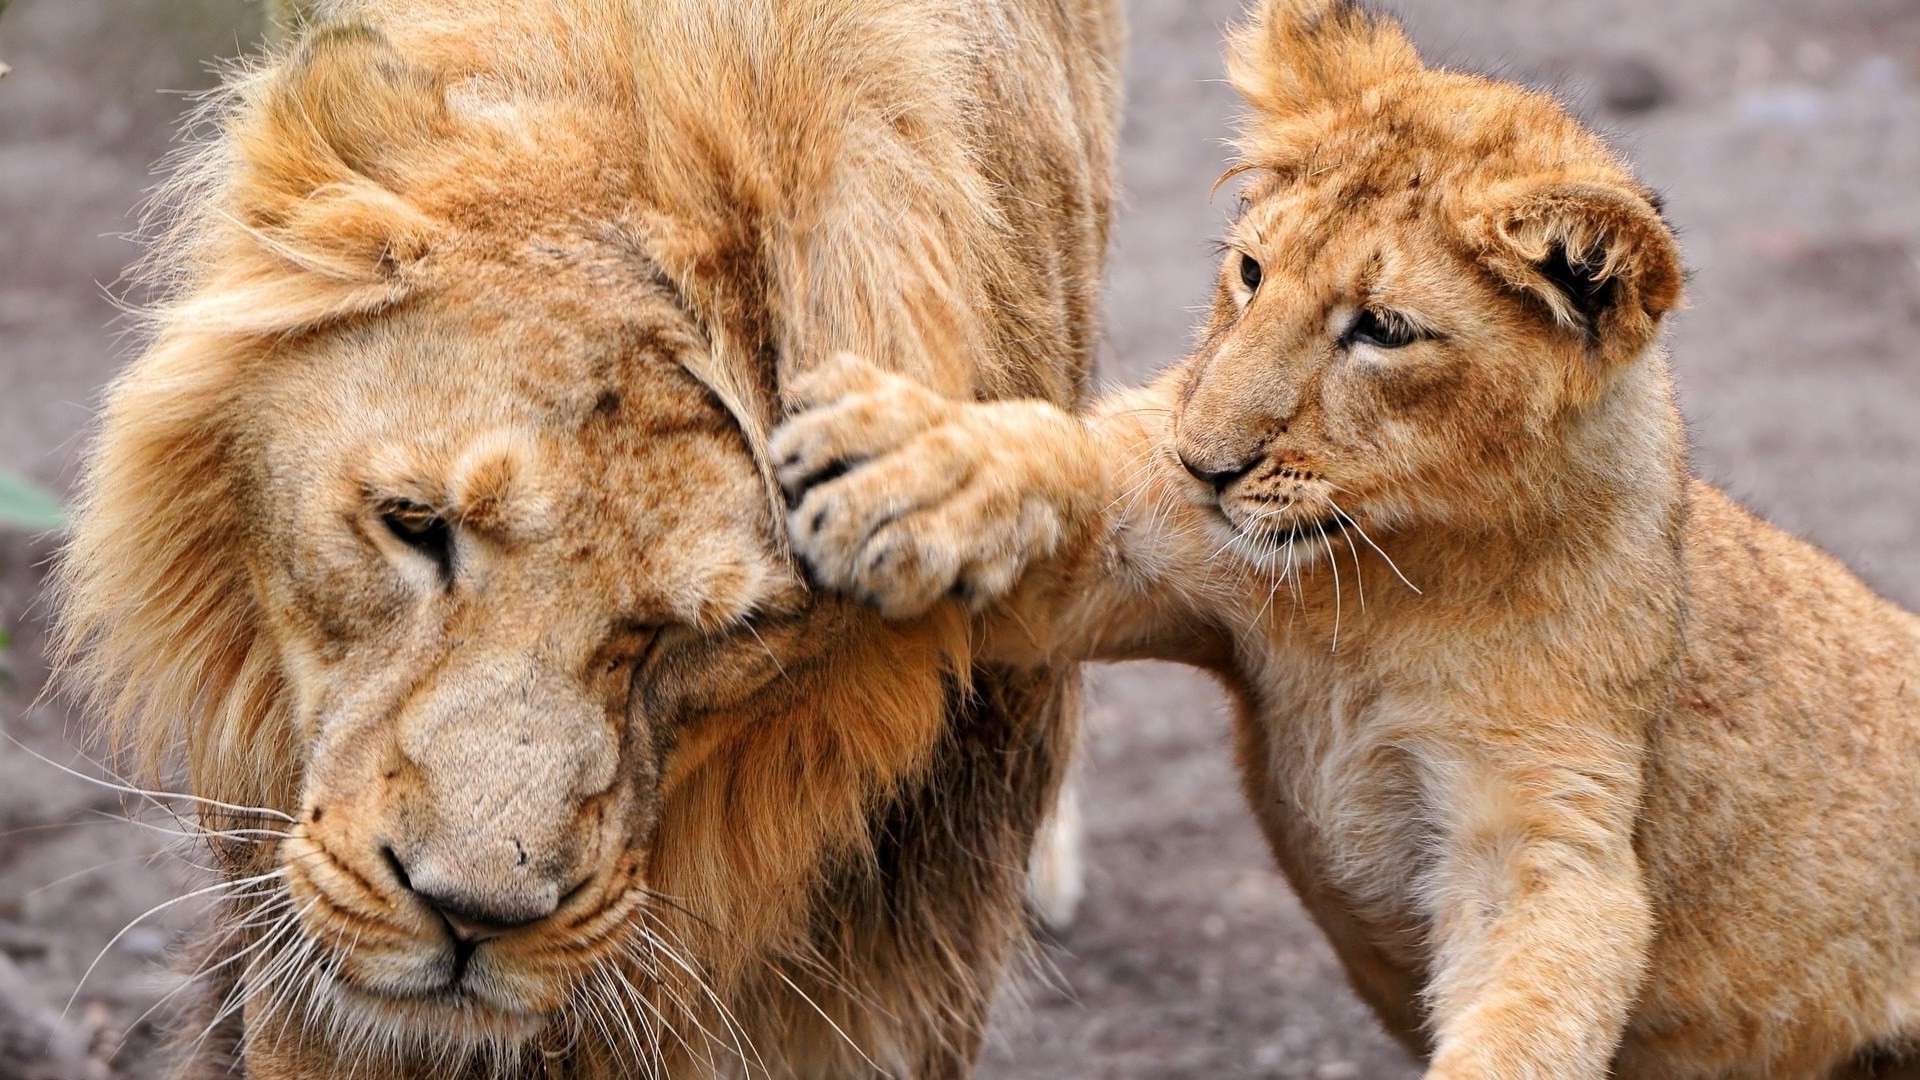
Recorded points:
(1785, 134)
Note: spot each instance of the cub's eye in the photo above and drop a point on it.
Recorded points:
(1249, 273)
(421, 529)
(1382, 329)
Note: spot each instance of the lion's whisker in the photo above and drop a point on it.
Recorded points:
(154, 910)
(764, 648)
(599, 1005)
(660, 1021)
(156, 796)
(743, 1044)
(59, 881)
(289, 989)
(238, 997)
(639, 1000)
(210, 965)
(195, 832)
(644, 1032)
(837, 1029)
(652, 970)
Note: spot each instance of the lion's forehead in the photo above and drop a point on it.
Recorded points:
(592, 472)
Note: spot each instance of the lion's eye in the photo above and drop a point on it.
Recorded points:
(1249, 272)
(632, 643)
(424, 531)
(1382, 329)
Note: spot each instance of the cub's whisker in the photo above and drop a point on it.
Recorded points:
(1359, 578)
(1376, 547)
(1333, 564)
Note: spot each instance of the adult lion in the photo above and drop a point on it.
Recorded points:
(435, 527)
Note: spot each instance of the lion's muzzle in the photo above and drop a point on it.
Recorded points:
(502, 770)
(458, 846)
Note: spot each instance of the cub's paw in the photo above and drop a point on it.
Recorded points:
(901, 497)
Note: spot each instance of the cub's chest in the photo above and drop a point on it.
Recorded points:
(1344, 798)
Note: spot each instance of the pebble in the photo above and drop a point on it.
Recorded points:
(145, 943)
(1630, 85)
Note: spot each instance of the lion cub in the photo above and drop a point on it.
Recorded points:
(1580, 767)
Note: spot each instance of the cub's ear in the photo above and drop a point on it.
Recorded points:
(324, 148)
(1593, 251)
(1295, 57)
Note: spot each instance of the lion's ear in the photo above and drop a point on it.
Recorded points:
(1296, 57)
(1595, 252)
(324, 149)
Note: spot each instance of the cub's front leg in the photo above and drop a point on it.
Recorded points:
(1542, 924)
(902, 497)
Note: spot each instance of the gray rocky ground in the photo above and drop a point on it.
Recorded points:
(1785, 133)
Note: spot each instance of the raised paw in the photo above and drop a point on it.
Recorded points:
(850, 412)
(901, 497)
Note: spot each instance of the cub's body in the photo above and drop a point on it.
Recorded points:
(1584, 771)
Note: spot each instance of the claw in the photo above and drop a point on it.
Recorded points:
(963, 591)
(832, 470)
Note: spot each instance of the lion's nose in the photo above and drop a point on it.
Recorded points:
(473, 928)
(473, 911)
(1219, 478)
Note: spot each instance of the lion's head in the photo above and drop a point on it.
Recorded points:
(434, 526)
(1432, 275)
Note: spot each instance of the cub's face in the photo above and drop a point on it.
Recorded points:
(1427, 283)
(1355, 364)
(508, 559)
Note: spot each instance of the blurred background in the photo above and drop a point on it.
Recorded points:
(1784, 133)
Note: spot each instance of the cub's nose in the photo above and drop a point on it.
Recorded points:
(476, 911)
(1219, 478)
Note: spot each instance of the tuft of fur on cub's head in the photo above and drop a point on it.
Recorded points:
(1553, 211)
(1432, 276)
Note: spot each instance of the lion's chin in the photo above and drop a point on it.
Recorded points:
(465, 1018)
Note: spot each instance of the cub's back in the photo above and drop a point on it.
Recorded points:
(1787, 757)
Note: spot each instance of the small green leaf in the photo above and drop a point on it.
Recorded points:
(25, 506)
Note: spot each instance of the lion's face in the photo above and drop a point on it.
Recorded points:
(1432, 276)
(482, 549)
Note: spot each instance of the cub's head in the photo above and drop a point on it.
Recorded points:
(1434, 280)
(433, 526)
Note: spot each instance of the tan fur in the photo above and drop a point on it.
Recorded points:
(433, 533)
(1583, 770)
(286, 17)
